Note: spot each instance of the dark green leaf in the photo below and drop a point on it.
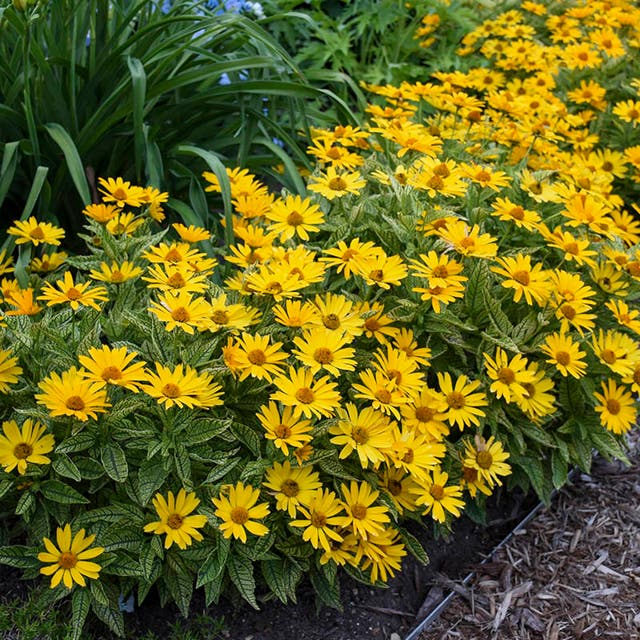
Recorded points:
(114, 461)
(61, 492)
(240, 570)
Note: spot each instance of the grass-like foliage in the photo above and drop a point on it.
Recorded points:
(448, 304)
(140, 90)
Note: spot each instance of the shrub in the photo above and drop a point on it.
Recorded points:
(451, 305)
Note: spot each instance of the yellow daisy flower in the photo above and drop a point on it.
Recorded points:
(9, 370)
(319, 348)
(488, 458)
(565, 354)
(191, 234)
(438, 497)
(360, 515)
(307, 396)
(294, 216)
(508, 376)
(332, 184)
(285, 429)
(322, 512)
(116, 273)
(22, 445)
(74, 294)
(69, 562)
(181, 310)
(463, 406)
(113, 366)
(35, 232)
(71, 394)
(238, 511)
(257, 358)
(291, 487)
(617, 408)
(176, 520)
(101, 213)
(48, 262)
(23, 302)
(527, 280)
(121, 192)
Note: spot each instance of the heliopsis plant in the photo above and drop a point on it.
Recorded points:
(448, 312)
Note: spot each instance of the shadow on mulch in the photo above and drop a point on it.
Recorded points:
(369, 613)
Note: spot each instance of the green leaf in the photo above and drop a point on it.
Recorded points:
(295, 547)
(72, 157)
(112, 618)
(151, 475)
(98, 592)
(328, 592)
(559, 470)
(80, 604)
(414, 546)
(247, 436)
(34, 192)
(221, 471)
(61, 492)
(10, 157)
(149, 563)
(26, 505)
(124, 537)
(5, 486)
(205, 430)
(240, 570)
(608, 445)
(282, 577)
(182, 464)
(114, 461)
(78, 442)
(180, 585)
(213, 567)
(64, 466)
(138, 91)
(18, 556)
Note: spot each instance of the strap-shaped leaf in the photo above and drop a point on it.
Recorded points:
(72, 157)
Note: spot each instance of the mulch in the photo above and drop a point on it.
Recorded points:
(573, 573)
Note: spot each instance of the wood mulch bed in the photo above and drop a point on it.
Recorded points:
(573, 573)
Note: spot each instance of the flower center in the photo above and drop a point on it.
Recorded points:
(173, 256)
(174, 520)
(469, 474)
(572, 248)
(522, 277)
(455, 400)
(73, 294)
(294, 219)
(483, 176)
(67, 560)
(636, 376)
(331, 321)
(484, 459)
(337, 184)
(377, 275)
(506, 375)
(176, 281)
(180, 315)
(360, 435)
(383, 396)
(239, 515)
(568, 311)
(563, 358)
(75, 403)
(530, 390)
(305, 395)
(290, 488)
(117, 276)
(435, 182)
(394, 486)
(441, 169)
(323, 355)
(120, 194)
(111, 373)
(220, 317)
(467, 243)
(440, 271)
(22, 451)
(348, 254)
(171, 390)
(372, 324)
(608, 356)
(408, 456)
(436, 491)
(274, 288)
(613, 406)
(318, 519)
(517, 213)
(607, 166)
(282, 431)
(37, 233)
(359, 511)
(425, 414)
(257, 357)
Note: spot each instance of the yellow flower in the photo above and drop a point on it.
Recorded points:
(20, 446)
(468, 241)
(526, 280)
(6, 263)
(319, 348)
(191, 233)
(537, 402)
(367, 432)
(124, 223)
(617, 407)
(74, 294)
(617, 350)
(381, 270)
(239, 512)
(415, 453)
(227, 315)
(488, 458)
(381, 554)
(121, 192)
(426, 414)
(463, 405)
(35, 232)
(361, 516)
(116, 273)
(625, 316)
(307, 396)
(438, 497)
(318, 517)
(48, 262)
(291, 487)
(257, 358)
(508, 376)
(399, 485)
(338, 313)
(332, 184)
(176, 278)
(344, 256)
(113, 366)
(175, 519)
(101, 213)
(9, 370)
(69, 562)
(23, 302)
(296, 314)
(285, 429)
(506, 210)
(181, 310)
(382, 392)
(565, 354)
(294, 216)
(183, 386)
(71, 394)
